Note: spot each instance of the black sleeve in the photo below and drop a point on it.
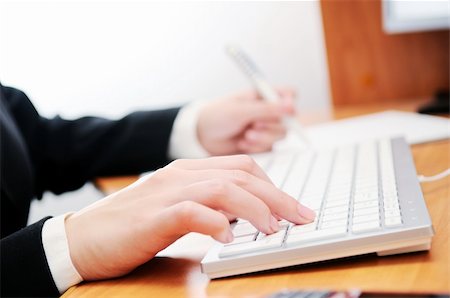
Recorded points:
(66, 154)
(25, 272)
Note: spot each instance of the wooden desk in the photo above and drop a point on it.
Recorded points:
(177, 271)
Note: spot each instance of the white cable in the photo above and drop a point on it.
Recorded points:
(439, 176)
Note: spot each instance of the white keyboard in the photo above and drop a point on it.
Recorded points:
(354, 191)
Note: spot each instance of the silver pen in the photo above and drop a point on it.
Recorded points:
(264, 88)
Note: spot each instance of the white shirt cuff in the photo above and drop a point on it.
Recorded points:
(184, 141)
(56, 247)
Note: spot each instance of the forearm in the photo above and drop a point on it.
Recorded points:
(67, 153)
(25, 271)
(90, 147)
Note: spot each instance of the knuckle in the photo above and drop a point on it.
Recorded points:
(185, 211)
(218, 188)
(240, 177)
(246, 163)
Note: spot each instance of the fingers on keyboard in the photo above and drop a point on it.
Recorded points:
(223, 195)
(281, 204)
(190, 216)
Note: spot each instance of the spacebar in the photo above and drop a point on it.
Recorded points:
(254, 246)
(316, 235)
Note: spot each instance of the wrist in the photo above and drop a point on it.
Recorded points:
(75, 245)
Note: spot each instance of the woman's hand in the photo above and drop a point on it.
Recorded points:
(126, 229)
(243, 122)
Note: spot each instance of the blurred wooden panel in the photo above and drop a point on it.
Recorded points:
(367, 65)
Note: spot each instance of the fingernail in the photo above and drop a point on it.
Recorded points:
(226, 236)
(274, 224)
(306, 213)
(229, 237)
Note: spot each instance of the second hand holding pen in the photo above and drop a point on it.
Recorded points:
(265, 89)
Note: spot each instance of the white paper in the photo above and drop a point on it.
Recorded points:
(416, 128)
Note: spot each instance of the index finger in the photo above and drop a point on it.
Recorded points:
(277, 201)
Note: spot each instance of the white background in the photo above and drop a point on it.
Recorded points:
(75, 58)
(78, 58)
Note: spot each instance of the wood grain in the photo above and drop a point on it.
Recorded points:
(368, 65)
(176, 273)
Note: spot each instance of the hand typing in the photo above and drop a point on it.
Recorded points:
(126, 229)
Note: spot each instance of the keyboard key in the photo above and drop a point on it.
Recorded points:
(389, 184)
(392, 213)
(334, 216)
(241, 220)
(330, 204)
(393, 222)
(316, 183)
(249, 247)
(279, 234)
(389, 191)
(334, 224)
(387, 171)
(365, 204)
(370, 185)
(279, 167)
(367, 196)
(296, 239)
(391, 205)
(305, 197)
(283, 224)
(334, 210)
(366, 227)
(302, 228)
(365, 211)
(244, 229)
(366, 218)
(390, 195)
(243, 239)
(339, 197)
(313, 204)
(340, 189)
(295, 181)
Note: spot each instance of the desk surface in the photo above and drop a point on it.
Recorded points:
(177, 271)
